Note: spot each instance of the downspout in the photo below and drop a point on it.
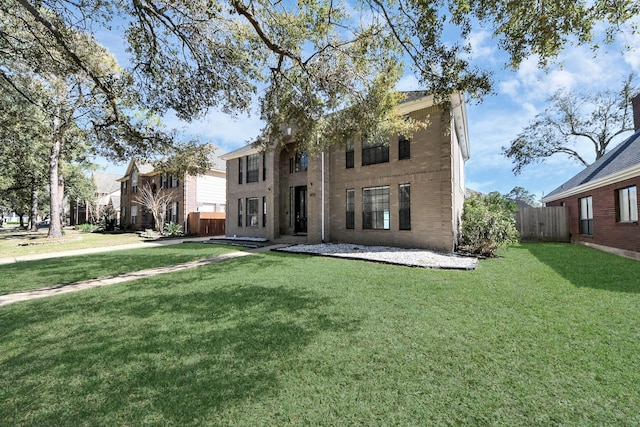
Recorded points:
(322, 193)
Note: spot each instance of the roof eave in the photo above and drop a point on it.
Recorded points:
(622, 175)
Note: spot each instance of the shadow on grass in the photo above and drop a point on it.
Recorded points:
(588, 267)
(160, 355)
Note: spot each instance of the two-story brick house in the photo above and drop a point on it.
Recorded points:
(202, 193)
(406, 193)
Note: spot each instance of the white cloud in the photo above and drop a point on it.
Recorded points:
(408, 82)
(482, 45)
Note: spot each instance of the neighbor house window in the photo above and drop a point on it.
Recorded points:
(252, 212)
(239, 212)
(375, 208)
(351, 209)
(586, 215)
(349, 155)
(404, 148)
(164, 181)
(174, 181)
(124, 187)
(628, 204)
(264, 211)
(253, 168)
(240, 170)
(134, 182)
(123, 215)
(405, 206)
(375, 151)
(134, 214)
(173, 213)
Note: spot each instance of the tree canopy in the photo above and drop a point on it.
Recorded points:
(304, 60)
(571, 117)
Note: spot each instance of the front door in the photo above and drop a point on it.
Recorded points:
(300, 211)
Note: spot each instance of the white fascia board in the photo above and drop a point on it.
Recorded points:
(622, 175)
(459, 111)
(240, 152)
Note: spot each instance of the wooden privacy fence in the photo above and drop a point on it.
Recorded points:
(548, 224)
(206, 223)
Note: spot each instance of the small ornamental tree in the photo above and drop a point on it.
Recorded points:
(155, 202)
(488, 222)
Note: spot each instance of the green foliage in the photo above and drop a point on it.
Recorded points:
(487, 223)
(172, 229)
(87, 228)
(572, 117)
(522, 194)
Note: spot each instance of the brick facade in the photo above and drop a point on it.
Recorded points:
(434, 171)
(607, 230)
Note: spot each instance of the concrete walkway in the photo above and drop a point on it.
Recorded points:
(126, 277)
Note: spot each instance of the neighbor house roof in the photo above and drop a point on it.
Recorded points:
(622, 162)
(106, 183)
(146, 169)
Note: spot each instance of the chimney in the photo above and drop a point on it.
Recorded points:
(635, 103)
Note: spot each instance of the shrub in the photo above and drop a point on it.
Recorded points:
(172, 229)
(488, 222)
(86, 228)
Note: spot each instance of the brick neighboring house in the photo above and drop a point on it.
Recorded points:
(407, 193)
(191, 194)
(106, 197)
(603, 198)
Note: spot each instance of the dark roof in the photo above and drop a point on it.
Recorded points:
(621, 157)
(413, 95)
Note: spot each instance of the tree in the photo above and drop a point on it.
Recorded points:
(598, 118)
(326, 68)
(522, 194)
(155, 202)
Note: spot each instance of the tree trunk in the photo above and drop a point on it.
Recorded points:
(55, 224)
(33, 218)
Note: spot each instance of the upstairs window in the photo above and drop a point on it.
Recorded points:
(374, 151)
(240, 170)
(628, 204)
(586, 215)
(164, 181)
(253, 170)
(264, 166)
(404, 148)
(124, 187)
(302, 162)
(174, 181)
(134, 182)
(349, 155)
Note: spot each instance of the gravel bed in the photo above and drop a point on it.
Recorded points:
(389, 255)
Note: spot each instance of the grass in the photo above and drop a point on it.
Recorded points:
(546, 335)
(14, 242)
(24, 276)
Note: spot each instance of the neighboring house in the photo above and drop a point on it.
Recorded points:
(406, 193)
(105, 202)
(190, 194)
(603, 198)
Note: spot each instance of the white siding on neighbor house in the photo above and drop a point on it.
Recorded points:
(211, 190)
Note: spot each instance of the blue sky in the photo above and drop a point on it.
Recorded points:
(519, 95)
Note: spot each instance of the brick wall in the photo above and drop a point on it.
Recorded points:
(606, 230)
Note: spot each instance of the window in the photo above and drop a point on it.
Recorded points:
(134, 182)
(239, 212)
(404, 148)
(164, 181)
(375, 151)
(252, 212)
(240, 170)
(123, 216)
(174, 181)
(405, 206)
(351, 209)
(134, 214)
(628, 204)
(253, 171)
(586, 215)
(264, 211)
(375, 208)
(349, 155)
(173, 213)
(302, 162)
(264, 166)
(124, 187)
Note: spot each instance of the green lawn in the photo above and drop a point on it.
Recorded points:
(31, 275)
(545, 335)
